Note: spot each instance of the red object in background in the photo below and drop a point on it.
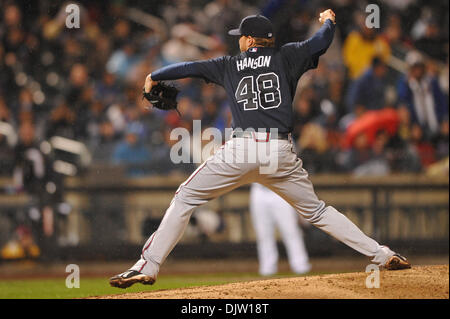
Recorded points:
(426, 153)
(370, 123)
(172, 119)
(22, 231)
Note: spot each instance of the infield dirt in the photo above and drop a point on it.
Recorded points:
(421, 282)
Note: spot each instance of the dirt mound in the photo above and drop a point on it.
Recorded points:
(421, 282)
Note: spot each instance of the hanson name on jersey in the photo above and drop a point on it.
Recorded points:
(248, 62)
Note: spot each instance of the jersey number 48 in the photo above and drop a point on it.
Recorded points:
(267, 94)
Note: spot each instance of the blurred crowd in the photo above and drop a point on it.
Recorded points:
(377, 103)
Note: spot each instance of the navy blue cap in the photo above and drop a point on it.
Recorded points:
(257, 26)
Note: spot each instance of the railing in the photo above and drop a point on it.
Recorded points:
(110, 216)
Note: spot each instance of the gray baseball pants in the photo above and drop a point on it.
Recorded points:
(241, 161)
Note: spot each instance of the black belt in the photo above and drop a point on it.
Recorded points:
(260, 137)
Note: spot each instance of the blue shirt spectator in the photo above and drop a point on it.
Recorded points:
(424, 98)
(132, 153)
(368, 90)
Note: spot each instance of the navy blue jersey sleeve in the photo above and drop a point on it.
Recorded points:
(303, 56)
(211, 70)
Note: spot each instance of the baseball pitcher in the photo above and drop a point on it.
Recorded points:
(260, 83)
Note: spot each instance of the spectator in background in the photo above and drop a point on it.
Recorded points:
(121, 33)
(178, 48)
(81, 109)
(378, 164)
(34, 174)
(107, 89)
(210, 113)
(162, 152)
(122, 60)
(132, 153)
(103, 140)
(432, 42)
(6, 138)
(318, 84)
(96, 116)
(5, 113)
(357, 155)
(367, 91)
(336, 91)
(191, 88)
(210, 104)
(15, 42)
(24, 102)
(361, 46)
(370, 123)
(31, 170)
(441, 141)
(364, 159)
(328, 121)
(422, 94)
(422, 146)
(12, 16)
(398, 41)
(178, 12)
(419, 25)
(8, 63)
(61, 122)
(132, 96)
(401, 153)
(78, 81)
(306, 109)
(3, 69)
(314, 150)
(74, 56)
(101, 52)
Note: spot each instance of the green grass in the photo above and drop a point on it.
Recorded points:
(56, 288)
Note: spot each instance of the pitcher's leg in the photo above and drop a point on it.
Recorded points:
(292, 235)
(213, 178)
(163, 240)
(295, 187)
(339, 226)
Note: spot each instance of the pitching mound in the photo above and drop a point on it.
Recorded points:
(421, 282)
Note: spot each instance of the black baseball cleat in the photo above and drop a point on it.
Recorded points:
(130, 277)
(397, 262)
